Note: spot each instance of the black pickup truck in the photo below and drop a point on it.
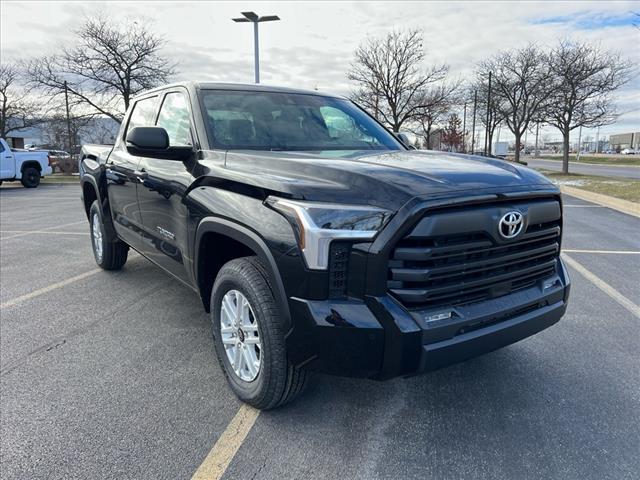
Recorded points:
(318, 241)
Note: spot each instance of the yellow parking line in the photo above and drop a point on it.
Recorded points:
(220, 456)
(617, 252)
(37, 293)
(604, 286)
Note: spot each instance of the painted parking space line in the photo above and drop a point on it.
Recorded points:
(602, 285)
(223, 451)
(29, 232)
(54, 286)
(583, 206)
(45, 232)
(615, 252)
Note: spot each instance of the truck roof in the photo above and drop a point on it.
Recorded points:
(240, 86)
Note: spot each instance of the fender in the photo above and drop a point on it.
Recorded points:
(104, 204)
(254, 242)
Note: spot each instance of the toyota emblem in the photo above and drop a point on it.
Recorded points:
(510, 224)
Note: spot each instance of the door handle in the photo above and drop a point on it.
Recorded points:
(141, 174)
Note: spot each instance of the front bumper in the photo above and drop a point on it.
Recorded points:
(379, 338)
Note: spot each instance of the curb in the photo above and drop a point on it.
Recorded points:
(624, 206)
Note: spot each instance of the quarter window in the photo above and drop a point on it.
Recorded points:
(175, 119)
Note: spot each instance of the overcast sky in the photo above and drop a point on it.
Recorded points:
(312, 46)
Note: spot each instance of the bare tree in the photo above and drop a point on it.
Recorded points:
(497, 107)
(437, 102)
(521, 86)
(583, 78)
(391, 80)
(55, 133)
(17, 109)
(107, 66)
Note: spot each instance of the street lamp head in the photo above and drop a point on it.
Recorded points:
(253, 17)
(269, 18)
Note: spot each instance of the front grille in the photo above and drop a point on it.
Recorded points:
(463, 268)
(338, 265)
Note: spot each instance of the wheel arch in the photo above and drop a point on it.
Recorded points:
(248, 242)
(30, 163)
(89, 194)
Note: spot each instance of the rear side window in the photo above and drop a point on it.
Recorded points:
(143, 113)
(175, 119)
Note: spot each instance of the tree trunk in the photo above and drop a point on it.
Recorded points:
(428, 137)
(489, 149)
(518, 141)
(565, 151)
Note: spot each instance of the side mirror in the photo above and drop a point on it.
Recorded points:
(404, 140)
(154, 142)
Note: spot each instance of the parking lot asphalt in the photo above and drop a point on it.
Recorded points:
(113, 375)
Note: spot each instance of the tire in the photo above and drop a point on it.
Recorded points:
(30, 177)
(110, 253)
(277, 381)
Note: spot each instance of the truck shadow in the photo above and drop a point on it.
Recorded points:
(499, 415)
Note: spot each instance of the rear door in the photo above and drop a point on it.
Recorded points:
(123, 176)
(161, 192)
(7, 163)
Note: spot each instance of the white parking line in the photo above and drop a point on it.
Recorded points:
(583, 206)
(616, 252)
(45, 232)
(37, 293)
(604, 286)
(29, 232)
(223, 451)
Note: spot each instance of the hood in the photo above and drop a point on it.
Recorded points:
(384, 179)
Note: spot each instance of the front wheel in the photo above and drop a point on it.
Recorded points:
(30, 177)
(249, 334)
(110, 253)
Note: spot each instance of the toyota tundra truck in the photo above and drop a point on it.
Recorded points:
(318, 241)
(28, 166)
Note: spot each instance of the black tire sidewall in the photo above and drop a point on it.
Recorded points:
(95, 208)
(30, 182)
(271, 363)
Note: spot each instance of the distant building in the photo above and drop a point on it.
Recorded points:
(625, 140)
(53, 134)
(25, 136)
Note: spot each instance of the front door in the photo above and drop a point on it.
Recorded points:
(7, 163)
(123, 177)
(162, 189)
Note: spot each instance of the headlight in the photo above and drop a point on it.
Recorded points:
(317, 224)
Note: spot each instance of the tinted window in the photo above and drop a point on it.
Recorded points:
(285, 121)
(143, 113)
(175, 119)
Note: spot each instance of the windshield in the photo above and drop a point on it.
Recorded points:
(250, 120)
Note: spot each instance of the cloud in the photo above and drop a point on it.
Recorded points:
(312, 46)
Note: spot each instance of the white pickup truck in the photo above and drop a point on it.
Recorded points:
(27, 166)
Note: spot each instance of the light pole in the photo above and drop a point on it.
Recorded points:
(255, 19)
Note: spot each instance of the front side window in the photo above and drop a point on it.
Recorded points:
(251, 120)
(175, 119)
(143, 113)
